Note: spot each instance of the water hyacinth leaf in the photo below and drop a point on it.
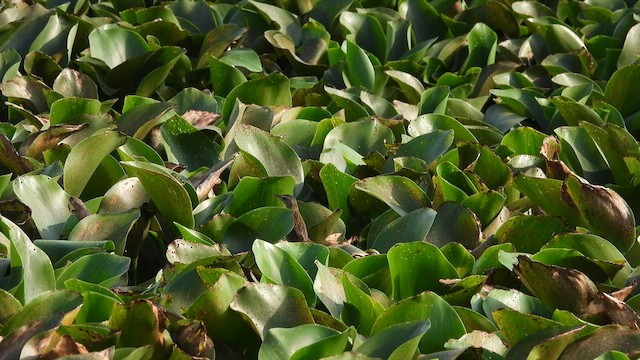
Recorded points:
(272, 90)
(515, 325)
(529, 233)
(414, 226)
(416, 267)
(298, 342)
(224, 77)
(58, 249)
(429, 146)
(268, 306)
(252, 193)
(365, 31)
(125, 195)
(399, 193)
(280, 267)
(360, 309)
(605, 211)
(287, 22)
(85, 158)
(72, 83)
(308, 255)
(429, 123)
(103, 269)
(385, 343)
(168, 195)
(27, 260)
(483, 43)
(548, 342)
(486, 205)
(11, 306)
(427, 23)
(135, 149)
(337, 184)
(142, 118)
(97, 227)
(547, 193)
(591, 246)
(512, 299)
(524, 140)
(147, 317)
(620, 89)
(44, 140)
(557, 288)
(359, 69)
(48, 202)
(466, 230)
(607, 338)
(434, 101)
(184, 144)
(630, 49)
(427, 306)
(40, 314)
(212, 308)
(115, 45)
(70, 110)
(373, 136)
(277, 158)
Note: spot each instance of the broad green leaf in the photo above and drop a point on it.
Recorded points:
(337, 184)
(455, 223)
(72, 83)
(483, 43)
(43, 313)
(620, 89)
(416, 267)
(71, 110)
(329, 289)
(359, 69)
(385, 343)
(287, 22)
(515, 325)
(28, 261)
(428, 123)
(114, 227)
(427, 306)
(213, 309)
(400, 193)
(630, 49)
(271, 90)
(429, 146)
(607, 338)
(529, 233)
(125, 195)
(148, 329)
(184, 144)
(85, 158)
(268, 306)
(309, 341)
(277, 158)
(49, 204)
(252, 193)
(280, 267)
(104, 269)
(168, 195)
(115, 45)
(411, 227)
(360, 309)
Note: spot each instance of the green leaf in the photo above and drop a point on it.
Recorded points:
(411, 227)
(400, 193)
(115, 227)
(85, 158)
(27, 260)
(337, 184)
(385, 343)
(287, 22)
(168, 195)
(620, 89)
(277, 158)
(280, 267)
(49, 204)
(115, 45)
(268, 306)
(483, 43)
(104, 269)
(271, 90)
(145, 315)
(310, 341)
(43, 313)
(529, 233)
(359, 69)
(186, 145)
(429, 307)
(416, 267)
(360, 309)
(252, 193)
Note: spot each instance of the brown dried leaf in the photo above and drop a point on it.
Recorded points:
(10, 158)
(41, 141)
(200, 119)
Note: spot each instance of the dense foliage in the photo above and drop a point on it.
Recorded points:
(456, 179)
